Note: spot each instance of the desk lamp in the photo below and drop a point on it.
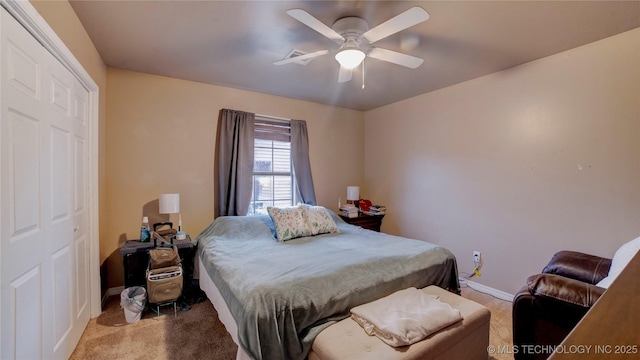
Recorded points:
(353, 195)
(170, 204)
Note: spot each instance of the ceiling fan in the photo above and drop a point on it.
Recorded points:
(355, 39)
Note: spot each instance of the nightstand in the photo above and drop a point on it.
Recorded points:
(371, 222)
(135, 258)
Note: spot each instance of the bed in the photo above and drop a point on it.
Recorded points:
(275, 297)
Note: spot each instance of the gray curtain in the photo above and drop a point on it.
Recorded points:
(235, 162)
(301, 164)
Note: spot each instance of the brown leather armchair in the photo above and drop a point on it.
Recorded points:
(552, 303)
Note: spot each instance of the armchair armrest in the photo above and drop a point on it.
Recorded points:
(579, 266)
(548, 308)
(561, 299)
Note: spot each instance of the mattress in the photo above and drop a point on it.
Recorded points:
(281, 295)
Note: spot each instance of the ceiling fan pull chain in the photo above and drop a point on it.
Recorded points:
(362, 74)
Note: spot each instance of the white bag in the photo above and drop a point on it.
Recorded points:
(133, 300)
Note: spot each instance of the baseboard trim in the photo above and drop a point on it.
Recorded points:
(488, 290)
(116, 290)
(110, 292)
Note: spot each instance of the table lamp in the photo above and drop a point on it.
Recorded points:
(170, 204)
(353, 194)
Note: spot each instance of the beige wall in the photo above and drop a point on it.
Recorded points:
(161, 135)
(518, 164)
(158, 136)
(63, 20)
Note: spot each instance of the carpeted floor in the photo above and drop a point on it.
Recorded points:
(500, 334)
(193, 334)
(198, 334)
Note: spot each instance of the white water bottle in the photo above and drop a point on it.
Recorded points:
(145, 232)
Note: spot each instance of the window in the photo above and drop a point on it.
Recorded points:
(273, 180)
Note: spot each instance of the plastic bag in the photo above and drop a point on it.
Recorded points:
(133, 301)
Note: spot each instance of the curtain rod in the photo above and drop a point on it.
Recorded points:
(273, 118)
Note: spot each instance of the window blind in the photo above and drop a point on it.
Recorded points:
(268, 129)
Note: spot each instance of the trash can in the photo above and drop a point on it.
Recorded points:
(133, 300)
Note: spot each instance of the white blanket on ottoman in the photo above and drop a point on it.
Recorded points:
(404, 317)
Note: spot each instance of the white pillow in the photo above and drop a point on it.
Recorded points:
(290, 222)
(620, 260)
(319, 220)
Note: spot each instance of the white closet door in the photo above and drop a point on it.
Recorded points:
(43, 252)
(80, 207)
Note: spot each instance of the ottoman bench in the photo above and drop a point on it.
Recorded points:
(466, 340)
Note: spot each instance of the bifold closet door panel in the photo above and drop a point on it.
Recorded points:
(43, 255)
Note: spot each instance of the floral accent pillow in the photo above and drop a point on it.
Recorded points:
(320, 221)
(290, 222)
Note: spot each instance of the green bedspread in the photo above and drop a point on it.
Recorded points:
(282, 295)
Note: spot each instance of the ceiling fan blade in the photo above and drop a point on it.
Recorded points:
(405, 20)
(344, 75)
(395, 57)
(307, 19)
(301, 57)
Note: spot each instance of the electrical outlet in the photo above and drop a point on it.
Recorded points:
(476, 257)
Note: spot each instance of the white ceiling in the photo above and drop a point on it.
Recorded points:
(234, 43)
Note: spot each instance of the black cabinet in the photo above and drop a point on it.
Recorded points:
(135, 258)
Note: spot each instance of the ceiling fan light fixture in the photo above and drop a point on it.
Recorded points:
(355, 39)
(350, 58)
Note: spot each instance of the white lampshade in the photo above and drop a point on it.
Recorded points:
(169, 203)
(353, 193)
(350, 58)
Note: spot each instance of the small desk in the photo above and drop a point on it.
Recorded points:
(371, 222)
(135, 258)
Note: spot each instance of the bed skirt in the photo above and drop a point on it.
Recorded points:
(207, 285)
